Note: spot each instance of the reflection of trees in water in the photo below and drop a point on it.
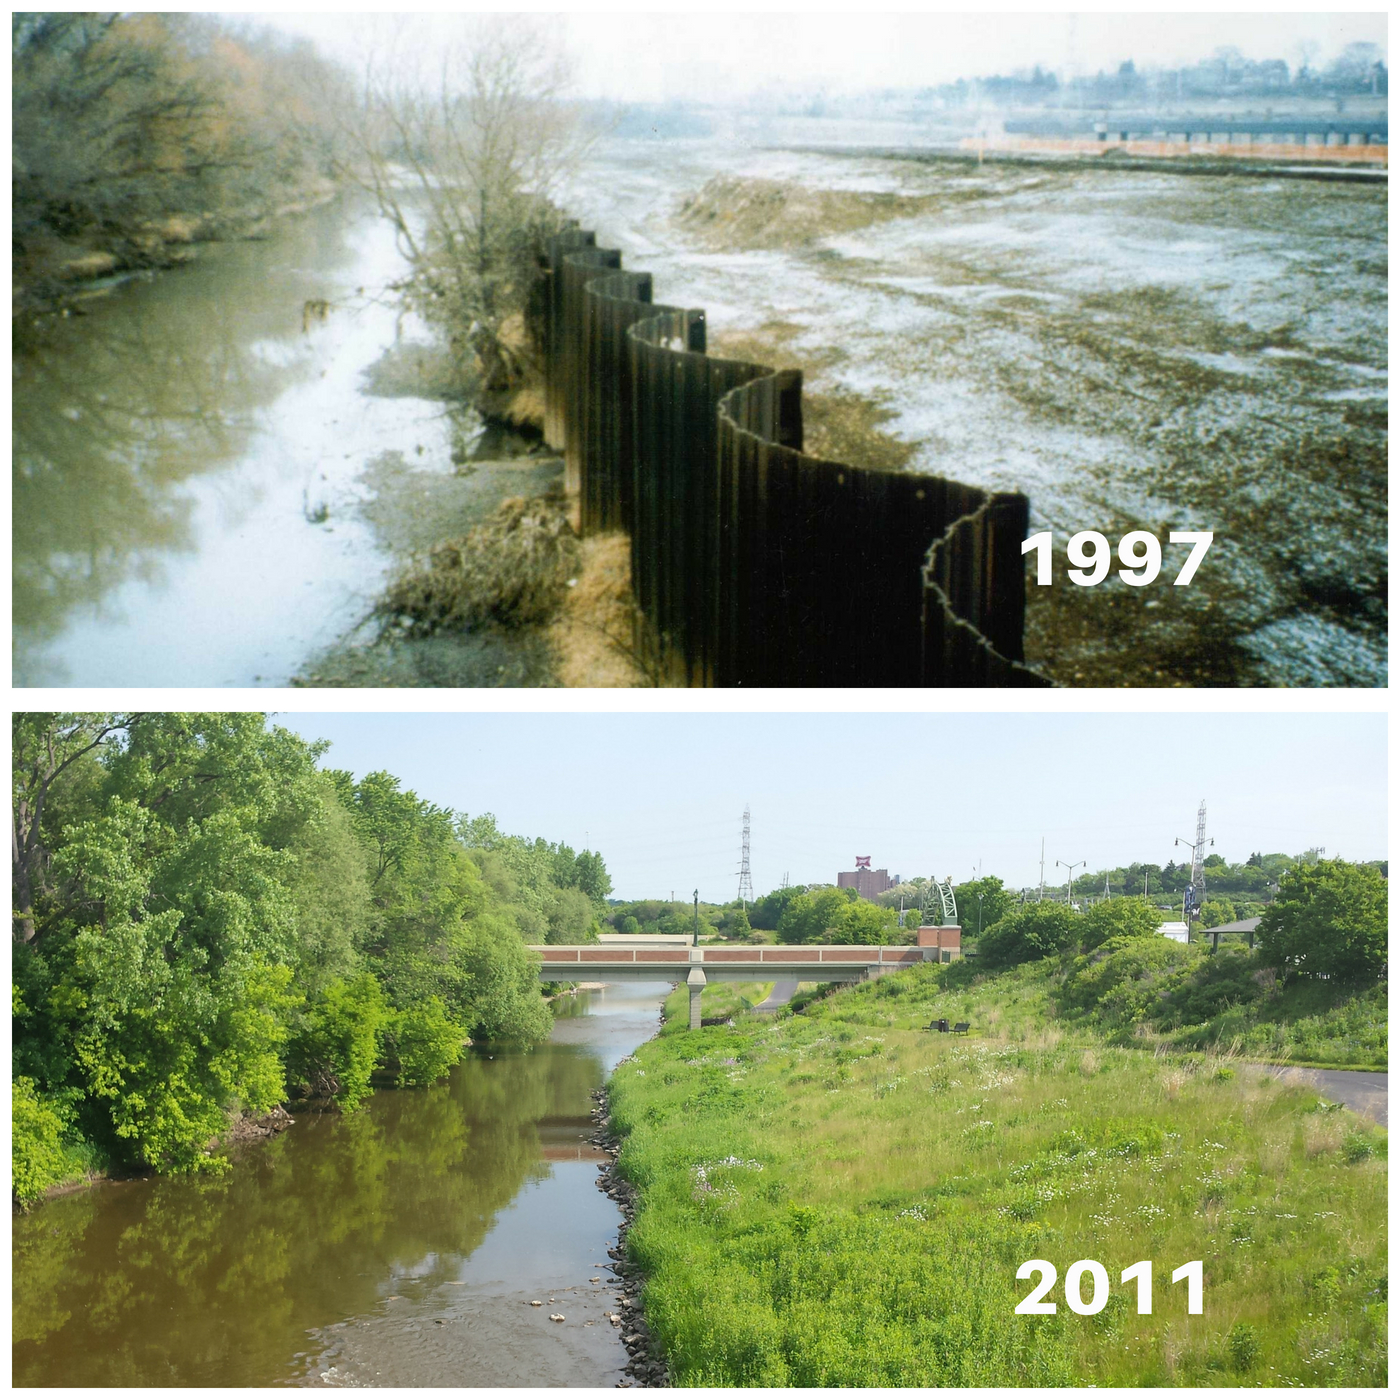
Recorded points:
(115, 411)
(217, 1281)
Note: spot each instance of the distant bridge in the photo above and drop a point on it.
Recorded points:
(696, 967)
(1323, 128)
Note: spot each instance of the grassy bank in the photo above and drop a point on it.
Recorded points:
(837, 1198)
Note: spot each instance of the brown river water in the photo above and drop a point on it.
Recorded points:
(401, 1245)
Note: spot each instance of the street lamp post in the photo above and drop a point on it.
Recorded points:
(696, 939)
(1071, 866)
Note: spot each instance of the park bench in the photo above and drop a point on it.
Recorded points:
(935, 1026)
(962, 1028)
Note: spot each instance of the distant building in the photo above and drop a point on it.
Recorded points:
(867, 883)
(1175, 930)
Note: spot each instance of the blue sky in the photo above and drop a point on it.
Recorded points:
(662, 795)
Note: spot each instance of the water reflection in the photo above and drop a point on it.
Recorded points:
(174, 448)
(179, 1282)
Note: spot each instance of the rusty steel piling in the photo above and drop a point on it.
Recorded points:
(753, 563)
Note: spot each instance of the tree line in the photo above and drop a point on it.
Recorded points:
(1324, 918)
(209, 923)
(136, 131)
(123, 122)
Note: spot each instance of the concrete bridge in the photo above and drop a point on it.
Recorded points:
(642, 960)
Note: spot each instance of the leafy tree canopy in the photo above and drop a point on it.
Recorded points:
(206, 922)
(1030, 932)
(1125, 916)
(1329, 921)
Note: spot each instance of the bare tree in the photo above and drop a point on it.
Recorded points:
(464, 157)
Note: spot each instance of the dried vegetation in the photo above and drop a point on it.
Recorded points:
(513, 570)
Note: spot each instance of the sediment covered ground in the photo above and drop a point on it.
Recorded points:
(1134, 350)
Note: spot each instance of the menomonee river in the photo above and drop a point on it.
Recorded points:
(400, 1245)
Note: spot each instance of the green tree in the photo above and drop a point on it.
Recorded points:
(810, 917)
(44, 747)
(38, 1159)
(1124, 916)
(1329, 920)
(571, 918)
(212, 917)
(866, 923)
(591, 876)
(424, 1042)
(1215, 912)
(766, 912)
(394, 823)
(339, 1043)
(986, 902)
(330, 889)
(1030, 932)
(172, 981)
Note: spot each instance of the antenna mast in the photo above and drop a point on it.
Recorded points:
(745, 877)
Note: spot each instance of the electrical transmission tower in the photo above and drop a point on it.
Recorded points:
(1195, 895)
(745, 876)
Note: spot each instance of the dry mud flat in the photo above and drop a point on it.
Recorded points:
(1134, 350)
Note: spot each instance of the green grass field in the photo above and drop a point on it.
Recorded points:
(837, 1198)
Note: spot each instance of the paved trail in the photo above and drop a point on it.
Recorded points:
(1362, 1091)
(781, 994)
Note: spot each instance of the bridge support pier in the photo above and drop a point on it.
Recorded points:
(696, 983)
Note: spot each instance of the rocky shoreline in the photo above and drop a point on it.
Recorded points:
(646, 1366)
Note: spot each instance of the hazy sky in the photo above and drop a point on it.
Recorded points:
(718, 53)
(662, 795)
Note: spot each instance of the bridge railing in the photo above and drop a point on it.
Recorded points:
(556, 955)
(754, 563)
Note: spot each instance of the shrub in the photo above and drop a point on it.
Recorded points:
(337, 1049)
(36, 1142)
(1030, 932)
(1126, 916)
(1123, 979)
(425, 1042)
(1244, 1346)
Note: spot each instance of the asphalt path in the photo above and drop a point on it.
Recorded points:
(782, 993)
(1362, 1091)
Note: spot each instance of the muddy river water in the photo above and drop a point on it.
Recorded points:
(201, 468)
(401, 1245)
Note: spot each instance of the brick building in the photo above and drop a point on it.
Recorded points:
(867, 883)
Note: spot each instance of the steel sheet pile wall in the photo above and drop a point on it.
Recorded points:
(753, 563)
